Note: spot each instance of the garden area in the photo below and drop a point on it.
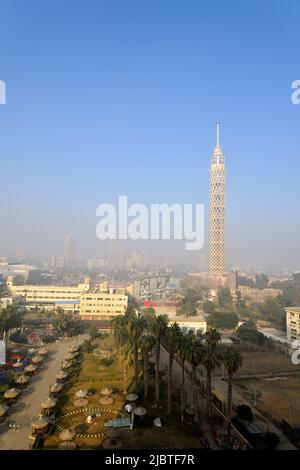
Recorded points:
(95, 397)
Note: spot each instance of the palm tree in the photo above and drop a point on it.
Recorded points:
(211, 359)
(232, 360)
(9, 319)
(135, 328)
(158, 327)
(173, 336)
(182, 351)
(119, 327)
(146, 344)
(195, 355)
(123, 341)
(126, 360)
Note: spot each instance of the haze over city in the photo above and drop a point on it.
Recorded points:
(110, 98)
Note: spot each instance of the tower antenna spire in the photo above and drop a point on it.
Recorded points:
(218, 134)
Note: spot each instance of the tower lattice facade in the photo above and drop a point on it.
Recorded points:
(216, 261)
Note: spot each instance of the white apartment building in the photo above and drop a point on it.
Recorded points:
(49, 296)
(190, 324)
(292, 324)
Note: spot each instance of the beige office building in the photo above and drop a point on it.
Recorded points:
(102, 305)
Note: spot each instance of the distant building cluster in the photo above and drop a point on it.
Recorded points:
(255, 295)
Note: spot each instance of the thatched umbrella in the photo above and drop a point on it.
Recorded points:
(3, 410)
(62, 375)
(67, 445)
(106, 400)
(139, 411)
(70, 357)
(106, 391)
(81, 402)
(12, 393)
(132, 397)
(31, 368)
(56, 388)
(81, 393)
(37, 359)
(40, 423)
(31, 351)
(49, 403)
(18, 364)
(22, 380)
(43, 352)
(67, 434)
(66, 365)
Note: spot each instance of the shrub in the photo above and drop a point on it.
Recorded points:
(106, 361)
(223, 320)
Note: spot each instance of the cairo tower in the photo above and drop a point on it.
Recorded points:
(216, 261)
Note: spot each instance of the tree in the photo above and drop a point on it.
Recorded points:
(261, 281)
(226, 320)
(63, 324)
(123, 342)
(183, 346)
(173, 336)
(232, 360)
(211, 359)
(244, 412)
(224, 297)
(147, 343)
(135, 328)
(248, 332)
(120, 331)
(87, 347)
(195, 355)
(209, 306)
(124, 353)
(189, 303)
(158, 326)
(9, 319)
(94, 332)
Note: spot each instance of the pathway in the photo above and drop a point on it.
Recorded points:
(29, 405)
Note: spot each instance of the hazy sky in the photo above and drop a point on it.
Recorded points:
(121, 97)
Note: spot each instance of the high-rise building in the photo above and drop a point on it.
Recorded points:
(69, 249)
(114, 253)
(216, 261)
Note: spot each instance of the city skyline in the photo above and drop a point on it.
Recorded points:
(145, 130)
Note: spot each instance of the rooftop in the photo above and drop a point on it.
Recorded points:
(293, 309)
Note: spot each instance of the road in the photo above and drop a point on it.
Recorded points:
(29, 404)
